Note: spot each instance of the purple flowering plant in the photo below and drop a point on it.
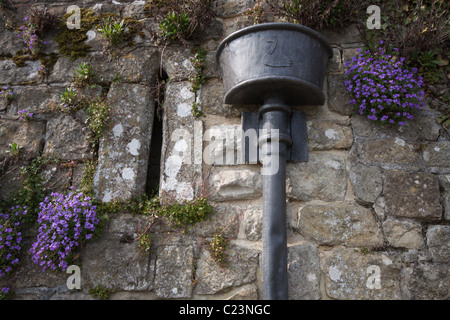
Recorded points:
(5, 293)
(10, 239)
(382, 88)
(7, 93)
(27, 32)
(25, 115)
(64, 223)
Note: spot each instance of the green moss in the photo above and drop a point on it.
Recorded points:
(100, 292)
(71, 42)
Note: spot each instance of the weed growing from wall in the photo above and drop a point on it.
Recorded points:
(181, 20)
(197, 78)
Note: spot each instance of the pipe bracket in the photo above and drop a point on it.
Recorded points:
(297, 151)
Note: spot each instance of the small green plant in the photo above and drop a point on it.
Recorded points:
(14, 149)
(198, 77)
(84, 75)
(174, 24)
(113, 31)
(181, 20)
(87, 181)
(30, 193)
(218, 247)
(100, 292)
(187, 212)
(98, 113)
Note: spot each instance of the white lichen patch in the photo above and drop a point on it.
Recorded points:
(117, 130)
(134, 146)
(334, 273)
(184, 110)
(333, 164)
(331, 134)
(399, 142)
(128, 174)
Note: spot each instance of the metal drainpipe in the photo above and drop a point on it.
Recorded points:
(275, 116)
(276, 65)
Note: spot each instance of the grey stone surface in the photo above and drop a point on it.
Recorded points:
(29, 136)
(241, 269)
(114, 260)
(367, 182)
(36, 99)
(181, 168)
(11, 74)
(323, 177)
(438, 242)
(351, 275)
(340, 224)
(67, 138)
(338, 100)
(427, 282)
(390, 152)
(437, 154)
(412, 195)
(326, 135)
(224, 8)
(174, 271)
(403, 234)
(235, 184)
(124, 149)
(303, 272)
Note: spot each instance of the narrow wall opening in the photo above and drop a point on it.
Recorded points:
(154, 161)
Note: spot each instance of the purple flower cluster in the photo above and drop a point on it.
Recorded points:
(65, 221)
(28, 34)
(24, 114)
(382, 89)
(5, 293)
(10, 239)
(7, 93)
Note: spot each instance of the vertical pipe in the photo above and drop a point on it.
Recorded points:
(275, 116)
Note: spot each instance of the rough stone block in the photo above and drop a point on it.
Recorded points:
(11, 74)
(427, 282)
(394, 152)
(174, 270)
(35, 99)
(115, 261)
(438, 242)
(124, 149)
(335, 64)
(437, 154)
(323, 177)
(341, 224)
(419, 129)
(326, 135)
(403, 234)
(241, 269)
(226, 8)
(303, 272)
(211, 99)
(66, 138)
(181, 169)
(236, 184)
(29, 136)
(412, 195)
(338, 97)
(351, 275)
(345, 35)
(367, 182)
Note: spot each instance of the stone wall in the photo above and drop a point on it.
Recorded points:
(368, 214)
